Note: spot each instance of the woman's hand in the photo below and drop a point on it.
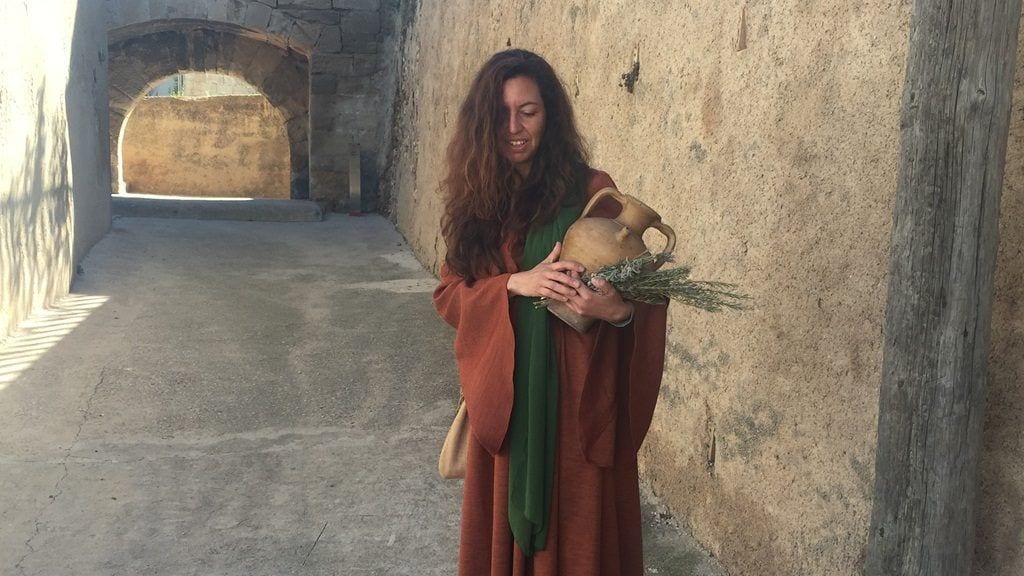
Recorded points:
(604, 304)
(549, 279)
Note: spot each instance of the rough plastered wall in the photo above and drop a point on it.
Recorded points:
(54, 201)
(767, 134)
(227, 146)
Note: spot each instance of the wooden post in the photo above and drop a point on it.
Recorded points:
(954, 122)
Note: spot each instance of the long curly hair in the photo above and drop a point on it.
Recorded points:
(486, 200)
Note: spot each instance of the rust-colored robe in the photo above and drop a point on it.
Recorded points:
(609, 380)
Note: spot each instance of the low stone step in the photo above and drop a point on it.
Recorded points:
(251, 209)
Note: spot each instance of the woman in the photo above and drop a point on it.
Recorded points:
(556, 416)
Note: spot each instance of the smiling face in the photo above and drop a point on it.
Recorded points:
(523, 124)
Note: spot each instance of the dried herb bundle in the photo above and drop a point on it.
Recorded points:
(634, 280)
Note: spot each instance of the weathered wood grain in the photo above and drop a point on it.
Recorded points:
(954, 122)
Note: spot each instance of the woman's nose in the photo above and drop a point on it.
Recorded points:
(514, 125)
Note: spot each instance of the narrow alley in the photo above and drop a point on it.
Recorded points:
(240, 398)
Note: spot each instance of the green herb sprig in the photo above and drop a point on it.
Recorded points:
(635, 280)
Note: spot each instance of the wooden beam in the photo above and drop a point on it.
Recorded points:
(953, 127)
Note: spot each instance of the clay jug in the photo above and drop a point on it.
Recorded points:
(598, 242)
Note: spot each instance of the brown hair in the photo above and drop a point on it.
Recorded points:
(486, 201)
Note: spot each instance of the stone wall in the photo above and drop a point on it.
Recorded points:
(54, 202)
(227, 146)
(767, 134)
(341, 47)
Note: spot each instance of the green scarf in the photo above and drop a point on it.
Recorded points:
(533, 429)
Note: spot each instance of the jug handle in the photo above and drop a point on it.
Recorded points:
(670, 238)
(608, 191)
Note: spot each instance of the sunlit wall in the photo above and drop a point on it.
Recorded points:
(53, 160)
(767, 134)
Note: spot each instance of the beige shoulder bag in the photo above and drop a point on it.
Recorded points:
(452, 463)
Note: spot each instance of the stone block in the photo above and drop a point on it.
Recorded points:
(300, 156)
(264, 61)
(354, 110)
(218, 10)
(365, 64)
(159, 9)
(267, 2)
(133, 11)
(324, 162)
(330, 186)
(295, 104)
(236, 10)
(220, 61)
(239, 55)
(124, 71)
(286, 79)
(204, 50)
(359, 43)
(324, 84)
(360, 22)
(322, 141)
(193, 9)
(257, 15)
(280, 24)
(338, 64)
(358, 85)
(389, 23)
(113, 10)
(316, 16)
(297, 128)
(326, 124)
(330, 40)
(304, 35)
(357, 4)
(311, 4)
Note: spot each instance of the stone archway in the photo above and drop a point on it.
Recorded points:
(141, 54)
(343, 50)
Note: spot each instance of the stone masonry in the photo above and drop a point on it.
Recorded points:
(321, 62)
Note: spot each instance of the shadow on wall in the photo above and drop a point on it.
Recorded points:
(55, 205)
(36, 238)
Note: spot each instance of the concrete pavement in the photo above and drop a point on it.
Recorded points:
(240, 398)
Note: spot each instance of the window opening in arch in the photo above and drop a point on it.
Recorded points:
(200, 85)
(206, 135)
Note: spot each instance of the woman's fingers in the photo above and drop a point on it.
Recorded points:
(603, 302)
(573, 304)
(550, 278)
(554, 253)
(552, 259)
(561, 290)
(567, 266)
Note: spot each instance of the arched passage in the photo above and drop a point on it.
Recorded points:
(141, 54)
(205, 135)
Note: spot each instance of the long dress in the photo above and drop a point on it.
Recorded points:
(609, 379)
